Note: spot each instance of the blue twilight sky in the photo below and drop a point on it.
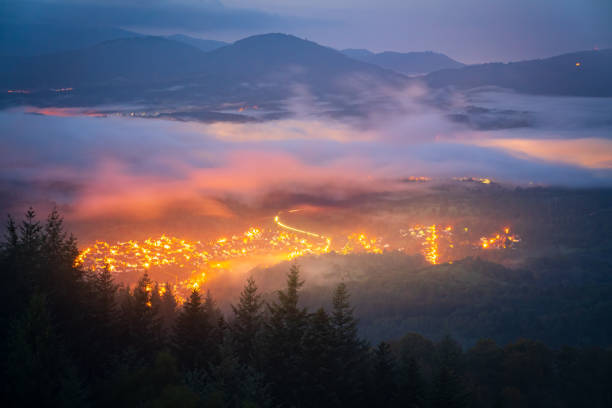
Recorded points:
(468, 30)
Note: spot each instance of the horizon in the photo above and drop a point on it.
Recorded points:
(464, 32)
(381, 51)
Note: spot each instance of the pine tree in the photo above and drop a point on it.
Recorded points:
(104, 299)
(37, 367)
(318, 384)
(42, 261)
(411, 392)
(10, 236)
(212, 310)
(14, 276)
(26, 260)
(384, 376)
(192, 334)
(240, 385)
(450, 354)
(168, 309)
(56, 242)
(140, 321)
(103, 322)
(350, 352)
(342, 316)
(30, 232)
(217, 326)
(247, 323)
(448, 390)
(156, 299)
(284, 330)
(63, 283)
(156, 304)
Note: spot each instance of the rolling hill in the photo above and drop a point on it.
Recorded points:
(262, 67)
(548, 299)
(281, 57)
(138, 59)
(585, 73)
(407, 63)
(202, 44)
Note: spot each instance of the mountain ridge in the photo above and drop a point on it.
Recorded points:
(260, 69)
(200, 43)
(407, 62)
(582, 73)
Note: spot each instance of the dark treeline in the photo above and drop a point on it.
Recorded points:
(75, 338)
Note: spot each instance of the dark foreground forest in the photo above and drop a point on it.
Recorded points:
(75, 338)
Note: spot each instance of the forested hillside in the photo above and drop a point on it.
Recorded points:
(558, 300)
(75, 338)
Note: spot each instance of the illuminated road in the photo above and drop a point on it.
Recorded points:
(312, 234)
(285, 226)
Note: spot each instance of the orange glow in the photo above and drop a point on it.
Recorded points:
(114, 190)
(586, 152)
(361, 243)
(189, 263)
(500, 240)
(429, 237)
(438, 243)
(64, 112)
(417, 179)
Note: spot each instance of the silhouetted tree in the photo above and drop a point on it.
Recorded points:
(191, 331)
(168, 308)
(140, 321)
(66, 342)
(448, 388)
(528, 367)
(103, 319)
(349, 350)
(385, 388)
(485, 372)
(319, 379)
(410, 383)
(247, 324)
(38, 370)
(157, 384)
(448, 391)
(229, 383)
(284, 330)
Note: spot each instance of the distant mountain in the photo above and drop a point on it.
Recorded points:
(407, 63)
(357, 53)
(262, 67)
(273, 54)
(202, 44)
(586, 73)
(140, 60)
(37, 39)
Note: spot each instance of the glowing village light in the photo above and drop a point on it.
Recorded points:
(192, 260)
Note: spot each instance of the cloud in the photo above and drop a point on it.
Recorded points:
(113, 189)
(181, 16)
(589, 152)
(134, 174)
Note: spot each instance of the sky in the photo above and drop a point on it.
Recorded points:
(470, 31)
